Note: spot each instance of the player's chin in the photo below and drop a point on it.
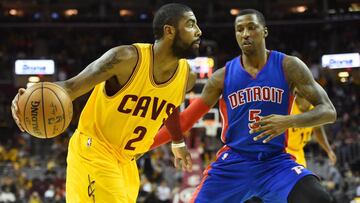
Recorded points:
(195, 45)
(247, 49)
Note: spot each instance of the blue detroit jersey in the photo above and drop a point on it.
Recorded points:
(245, 99)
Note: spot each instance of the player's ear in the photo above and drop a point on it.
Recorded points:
(169, 31)
(266, 32)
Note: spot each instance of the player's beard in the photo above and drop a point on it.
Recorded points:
(182, 50)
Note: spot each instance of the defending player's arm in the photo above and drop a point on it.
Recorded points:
(119, 61)
(299, 77)
(321, 138)
(197, 109)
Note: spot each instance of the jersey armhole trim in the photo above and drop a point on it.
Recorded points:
(131, 78)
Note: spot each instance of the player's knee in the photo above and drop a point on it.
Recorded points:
(322, 197)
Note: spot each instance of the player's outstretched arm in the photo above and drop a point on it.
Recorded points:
(321, 138)
(119, 61)
(213, 88)
(197, 109)
(298, 76)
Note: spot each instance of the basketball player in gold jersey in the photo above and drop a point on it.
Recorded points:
(299, 137)
(136, 88)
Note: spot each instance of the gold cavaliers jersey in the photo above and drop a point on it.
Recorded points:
(128, 121)
(298, 137)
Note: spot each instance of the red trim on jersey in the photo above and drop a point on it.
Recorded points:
(291, 101)
(224, 118)
(194, 196)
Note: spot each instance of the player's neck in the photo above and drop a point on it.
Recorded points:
(164, 62)
(256, 60)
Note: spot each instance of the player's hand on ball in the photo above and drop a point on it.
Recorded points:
(182, 158)
(15, 108)
(270, 127)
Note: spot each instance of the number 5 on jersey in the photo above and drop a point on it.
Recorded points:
(254, 117)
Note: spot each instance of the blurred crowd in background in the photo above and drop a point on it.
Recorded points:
(33, 170)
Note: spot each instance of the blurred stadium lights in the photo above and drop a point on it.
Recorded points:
(16, 12)
(37, 15)
(343, 74)
(143, 16)
(299, 9)
(71, 12)
(354, 7)
(55, 15)
(343, 80)
(234, 11)
(29, 84)
(34, 79)
(331, 11)
(126, 12)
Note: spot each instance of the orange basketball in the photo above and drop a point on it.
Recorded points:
(45, 110)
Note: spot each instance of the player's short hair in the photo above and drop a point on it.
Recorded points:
(169, 14)
(259, 15)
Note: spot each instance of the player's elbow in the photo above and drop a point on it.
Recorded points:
(332, 115)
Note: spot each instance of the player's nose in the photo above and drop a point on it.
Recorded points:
(245, 33)
(198, 31)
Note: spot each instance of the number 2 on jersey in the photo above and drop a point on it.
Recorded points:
(138, 130)
(254, 117)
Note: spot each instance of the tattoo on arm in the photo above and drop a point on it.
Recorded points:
(300, 77)
(109, 60)
(99, 70)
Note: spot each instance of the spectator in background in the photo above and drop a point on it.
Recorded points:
(35, 198)
(49, 194)
(7, 196)
(163, 192)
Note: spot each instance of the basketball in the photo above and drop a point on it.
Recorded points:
(45, 110)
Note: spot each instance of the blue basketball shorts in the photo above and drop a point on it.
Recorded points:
(233, 178)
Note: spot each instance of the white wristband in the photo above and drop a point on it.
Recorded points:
(178, 145)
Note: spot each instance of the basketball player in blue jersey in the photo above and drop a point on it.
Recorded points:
(255, 91)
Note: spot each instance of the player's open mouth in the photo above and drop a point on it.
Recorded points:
(196, 43)
(247, 43)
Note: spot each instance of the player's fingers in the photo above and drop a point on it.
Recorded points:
(183, 166)
(267, 117)
(16, 119)
(262, 135)
(272, 136)
(176, 162)
(264, 120)
(14, 102)
(21, 91)
(259, 128)
(188, 163)
(333, 158)
(19, 125)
